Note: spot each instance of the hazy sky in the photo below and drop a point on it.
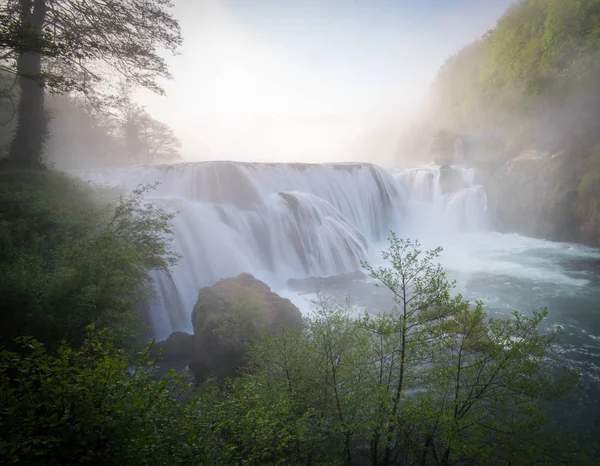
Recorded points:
(302, 79)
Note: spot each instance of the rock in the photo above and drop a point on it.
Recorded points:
(178, 346)
(313, 284)
(533, 194)
(230, 314)
(177, 351)
(451, 180)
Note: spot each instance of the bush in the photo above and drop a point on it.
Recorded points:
(69, 257)
(90, 406)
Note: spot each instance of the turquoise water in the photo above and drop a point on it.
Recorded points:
(515, 273)
(523, 274)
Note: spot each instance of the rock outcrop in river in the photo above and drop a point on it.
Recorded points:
(227, 316)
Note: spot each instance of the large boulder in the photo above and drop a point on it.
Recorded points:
(178, 346)
(227, 316)
(176, 352)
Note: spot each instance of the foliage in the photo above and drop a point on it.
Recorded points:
(433, 381)
(75, 36)
(88, 406)
(246, 423)
(489, 390)
(145, 139)
(85, 135)
(244, 321)
(531, 83)
(70, 258)
(79, 136)
(532, 80)
(62, 46)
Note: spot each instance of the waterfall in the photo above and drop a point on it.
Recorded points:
(443, 201)
(282, 221)
(276, 221)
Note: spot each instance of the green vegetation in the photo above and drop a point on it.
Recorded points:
(432, 381)
(539, 62)
(531, 83)
(65, 45)
(69, 258)
(83, 406)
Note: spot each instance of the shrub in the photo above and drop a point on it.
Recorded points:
(72, 254)
(90, 406)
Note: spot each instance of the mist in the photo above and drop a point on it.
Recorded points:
(180, 173)
(308, 81)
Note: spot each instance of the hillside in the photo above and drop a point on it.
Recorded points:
(525, 102)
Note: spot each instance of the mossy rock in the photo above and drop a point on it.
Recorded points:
(228, 316)
(178, 346)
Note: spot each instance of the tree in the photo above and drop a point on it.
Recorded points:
(323, 374)
(421, 294)
(145, 139)
(431, 382)
(489, 391)
(70, 258)
(62, 45)
(160, 142)
(79, 135)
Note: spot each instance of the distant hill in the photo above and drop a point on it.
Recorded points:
(531, 84)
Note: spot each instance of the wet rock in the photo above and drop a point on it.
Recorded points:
(227, 316)
(451, 180)
(534, 194)
(178, 346)
(313, 284)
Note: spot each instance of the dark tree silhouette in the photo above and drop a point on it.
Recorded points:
(67, 45)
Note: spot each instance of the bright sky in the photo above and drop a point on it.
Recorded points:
(308, 80)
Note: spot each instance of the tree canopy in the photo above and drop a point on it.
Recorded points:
(540, 60)
(71, 45)
(81, 41)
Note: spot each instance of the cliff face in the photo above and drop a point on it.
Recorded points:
(536, 194)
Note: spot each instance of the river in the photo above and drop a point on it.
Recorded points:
(293, 221)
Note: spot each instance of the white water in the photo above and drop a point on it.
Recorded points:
(281, 221)
(274, 221)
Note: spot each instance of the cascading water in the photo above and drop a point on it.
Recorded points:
(282, 221)
(276, 221)
(445, 200)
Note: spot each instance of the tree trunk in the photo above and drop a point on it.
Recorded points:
(398, 394)
(375, 448)
(27, 144)
(423, 461)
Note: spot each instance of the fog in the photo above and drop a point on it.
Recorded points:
(329, 80)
